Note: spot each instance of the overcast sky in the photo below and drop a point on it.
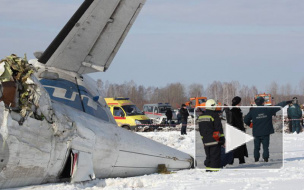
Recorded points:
(253, 42)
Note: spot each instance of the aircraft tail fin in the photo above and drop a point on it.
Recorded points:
(91, 38)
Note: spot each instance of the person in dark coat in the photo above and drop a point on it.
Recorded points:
(262, 126)
(289, 121)
(211, 131)
(295, 114)
(184, 118)
(236, 120)
(169, 115)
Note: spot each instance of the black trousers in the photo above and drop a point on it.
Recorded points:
(184, 128)
(213, 156)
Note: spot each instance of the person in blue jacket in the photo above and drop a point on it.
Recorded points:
(295, 114)
(261, 119)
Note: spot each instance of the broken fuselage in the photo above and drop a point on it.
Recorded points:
(77, 138)
(73, 144)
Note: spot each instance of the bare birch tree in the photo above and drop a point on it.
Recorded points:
(196, 90)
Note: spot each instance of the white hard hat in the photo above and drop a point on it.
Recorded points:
(211, 104)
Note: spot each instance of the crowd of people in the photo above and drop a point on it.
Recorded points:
(260, 120)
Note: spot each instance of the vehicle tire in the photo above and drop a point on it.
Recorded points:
(126, 127)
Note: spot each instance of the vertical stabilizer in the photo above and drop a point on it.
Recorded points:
(90, 40)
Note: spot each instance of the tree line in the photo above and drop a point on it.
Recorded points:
(178, 93)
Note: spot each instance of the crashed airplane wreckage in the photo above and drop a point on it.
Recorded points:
(63, 131)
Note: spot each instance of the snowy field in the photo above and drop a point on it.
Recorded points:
(290, 177)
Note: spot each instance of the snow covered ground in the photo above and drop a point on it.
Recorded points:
(290, 177)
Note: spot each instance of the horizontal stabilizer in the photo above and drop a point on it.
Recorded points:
(90, 40)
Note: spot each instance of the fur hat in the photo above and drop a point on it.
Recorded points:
(236, 100)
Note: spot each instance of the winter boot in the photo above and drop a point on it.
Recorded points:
(242, 160)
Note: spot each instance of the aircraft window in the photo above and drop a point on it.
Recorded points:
(118, 112)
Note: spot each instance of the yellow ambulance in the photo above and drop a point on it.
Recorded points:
(126, 114)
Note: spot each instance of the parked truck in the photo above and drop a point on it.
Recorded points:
(200, 101)
(269, 100)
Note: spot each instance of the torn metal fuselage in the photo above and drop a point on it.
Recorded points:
(75, 142)
(75, 137)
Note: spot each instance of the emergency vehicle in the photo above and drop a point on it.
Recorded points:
(157, 112)
(269, 101)
(201, 101)
(126, 114)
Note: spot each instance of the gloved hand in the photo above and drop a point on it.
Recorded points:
(289, 102)
(221, 141)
